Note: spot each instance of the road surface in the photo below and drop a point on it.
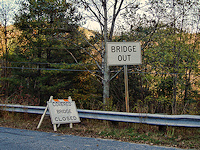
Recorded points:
(18, 139)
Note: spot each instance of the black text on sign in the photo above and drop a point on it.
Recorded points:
(123, 53)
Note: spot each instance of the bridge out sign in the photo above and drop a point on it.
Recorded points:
(123, 53)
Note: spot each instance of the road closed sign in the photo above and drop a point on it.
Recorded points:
(63, 111)
(123, 53)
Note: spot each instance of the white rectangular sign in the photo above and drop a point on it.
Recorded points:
(62, 112)
(123, 53)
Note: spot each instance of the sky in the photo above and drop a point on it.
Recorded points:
(12, 7)
(8, 7)
(95, 25)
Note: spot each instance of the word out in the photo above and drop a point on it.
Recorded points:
(124, 57)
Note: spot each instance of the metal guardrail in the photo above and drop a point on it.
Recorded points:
(151, 119)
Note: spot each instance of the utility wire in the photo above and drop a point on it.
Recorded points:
(48, 63)
(49, 69)
(74, 70)
(40, 63)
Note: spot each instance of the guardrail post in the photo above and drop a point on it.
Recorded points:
(162, 128)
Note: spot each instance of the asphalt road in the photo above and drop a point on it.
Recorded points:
(18, 139)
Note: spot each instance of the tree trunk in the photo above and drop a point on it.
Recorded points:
(106, 67)
(6, 58)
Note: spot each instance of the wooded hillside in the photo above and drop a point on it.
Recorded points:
(47, 52)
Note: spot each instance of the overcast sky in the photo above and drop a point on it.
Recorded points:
(8, 7)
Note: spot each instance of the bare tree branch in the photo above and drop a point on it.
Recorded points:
(83, 65)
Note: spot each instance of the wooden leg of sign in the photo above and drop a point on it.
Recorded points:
(42, 118)
(54, 127)
(51, 98)
(71, 125)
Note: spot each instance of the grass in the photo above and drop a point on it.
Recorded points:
(179, 137)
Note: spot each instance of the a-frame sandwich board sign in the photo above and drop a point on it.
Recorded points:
(62, 111)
